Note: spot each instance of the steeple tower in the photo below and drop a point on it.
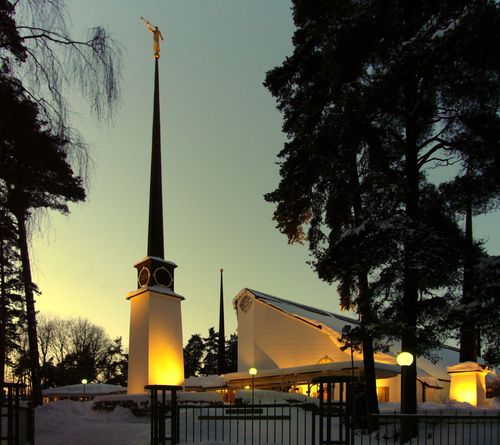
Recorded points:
(155, 350)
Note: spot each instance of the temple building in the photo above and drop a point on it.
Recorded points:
(290, 344)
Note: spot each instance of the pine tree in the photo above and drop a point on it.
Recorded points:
(211, 346)
(232, 353)
(382, 84)
(11, 304)
(193, 353)
(35, 174)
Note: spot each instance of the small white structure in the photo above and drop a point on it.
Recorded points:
(468, 383)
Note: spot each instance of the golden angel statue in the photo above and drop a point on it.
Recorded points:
(156, 37)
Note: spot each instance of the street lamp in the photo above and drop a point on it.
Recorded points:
(408, 425)
(404, 359)
(84, 382)
(253, 372)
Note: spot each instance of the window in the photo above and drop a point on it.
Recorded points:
(383, 393)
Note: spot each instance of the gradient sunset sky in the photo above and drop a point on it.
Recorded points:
(221, 133)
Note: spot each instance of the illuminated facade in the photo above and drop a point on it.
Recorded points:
(294, 342)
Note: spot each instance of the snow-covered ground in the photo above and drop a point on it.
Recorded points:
(76, 423)
(67, 422)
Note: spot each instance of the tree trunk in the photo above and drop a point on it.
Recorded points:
(411, 247)
(3, 315)
(364, 308)
(368, 359)
(468, 329)
(36, 389)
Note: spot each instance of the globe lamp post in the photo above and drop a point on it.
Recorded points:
(408, 426)
(404, 359)
(253, 372)
(84, 382)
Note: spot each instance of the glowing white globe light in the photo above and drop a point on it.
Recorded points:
(252, 371)
(84, 381)
(404, 359)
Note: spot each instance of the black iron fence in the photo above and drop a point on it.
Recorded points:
(437, 428)
(327, 422)
(16, 417)
(164, 414)
(244, 424)
(303, 424)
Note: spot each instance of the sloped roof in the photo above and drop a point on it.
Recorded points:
(309, 313)
(88, 389)
(448, 355)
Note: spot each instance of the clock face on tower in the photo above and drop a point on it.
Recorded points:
(144, 276)
(162, 277)
(153, 272)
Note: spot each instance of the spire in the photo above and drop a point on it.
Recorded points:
(154, 270)
(155, 227)
(221, 355)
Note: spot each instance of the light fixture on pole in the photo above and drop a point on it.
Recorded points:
(408, 426)
(253, 372)
(84, 382)
(404, 359)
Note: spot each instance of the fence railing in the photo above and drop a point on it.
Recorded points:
(437, 428)
(16, 420)
(300, 425)
(244, 424)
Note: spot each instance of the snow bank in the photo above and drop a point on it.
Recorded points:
(66, 422)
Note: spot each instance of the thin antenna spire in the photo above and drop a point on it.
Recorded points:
(221, 355)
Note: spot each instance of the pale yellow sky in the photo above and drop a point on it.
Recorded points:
(221, 133)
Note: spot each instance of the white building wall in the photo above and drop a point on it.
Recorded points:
(269, 339)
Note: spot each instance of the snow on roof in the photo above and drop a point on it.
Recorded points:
(78, 389)
(215, 381)
(465, 367)
(309, 313)
(391, 370)
(329, 321)
(210, 381)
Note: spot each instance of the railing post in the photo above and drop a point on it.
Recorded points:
(159, 414)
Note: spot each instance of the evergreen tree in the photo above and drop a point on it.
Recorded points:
(488, 310)
(193, 353)
(35, 45)
(232, 353)
(115, 366)
(373, 100)
(35, 174)
(475, 190)
(210, 344)
(11, 304)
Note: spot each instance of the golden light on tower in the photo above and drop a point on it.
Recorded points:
(468, 383)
